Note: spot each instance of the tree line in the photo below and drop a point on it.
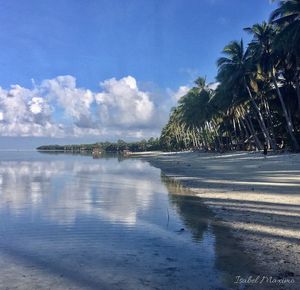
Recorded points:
(151, 144)
(257, 99)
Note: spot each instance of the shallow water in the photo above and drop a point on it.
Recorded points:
(74, 222)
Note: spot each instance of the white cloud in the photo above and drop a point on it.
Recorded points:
(213, 86)
(122, 104)
(25, 114)
(76, 102)
(182, 90)
(36, 105)
(59, 108)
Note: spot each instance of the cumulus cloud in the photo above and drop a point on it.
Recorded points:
(23, 113)
(76, 102)
(122, 104)
(36, 105)
(176, 95)
(59, 108)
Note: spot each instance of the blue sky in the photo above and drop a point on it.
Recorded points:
(144, 49)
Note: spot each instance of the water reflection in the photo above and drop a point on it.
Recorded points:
(75, 222)
(94, 155)
(199, 219)
(189, 207)
(122, 186)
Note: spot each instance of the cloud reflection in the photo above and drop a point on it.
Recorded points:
(64, 190)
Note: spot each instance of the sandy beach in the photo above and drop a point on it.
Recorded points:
(257, 199)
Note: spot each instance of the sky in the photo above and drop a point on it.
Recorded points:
(94, 70)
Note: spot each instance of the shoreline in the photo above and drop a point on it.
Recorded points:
(257, 199)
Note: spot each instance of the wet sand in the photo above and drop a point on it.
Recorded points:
(257, 199)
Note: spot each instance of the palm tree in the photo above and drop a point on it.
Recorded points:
(200, 82)
(261, 45)
(287, 18)
(262, 56)
(236, 73)
(258, 93)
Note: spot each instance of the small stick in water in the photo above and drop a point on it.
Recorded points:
(168, 217)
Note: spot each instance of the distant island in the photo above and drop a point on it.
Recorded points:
(152, 144)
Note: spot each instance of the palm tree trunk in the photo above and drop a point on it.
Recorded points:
(176, 137)
(245, 132)
(242, 134)
(217, 136)
(235, 132)
(298, 91)
(195, 139)
(270, 121)
(192, 137)
(261, 119)
(252, 130)
(204, 139)
(182, 134)
(297, 77)
(199, 139)
(290, 125)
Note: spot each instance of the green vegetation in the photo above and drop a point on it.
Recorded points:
(119, 146)
(257, 100)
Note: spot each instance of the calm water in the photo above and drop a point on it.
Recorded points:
(74, 222)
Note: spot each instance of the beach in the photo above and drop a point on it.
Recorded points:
(257, 199)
